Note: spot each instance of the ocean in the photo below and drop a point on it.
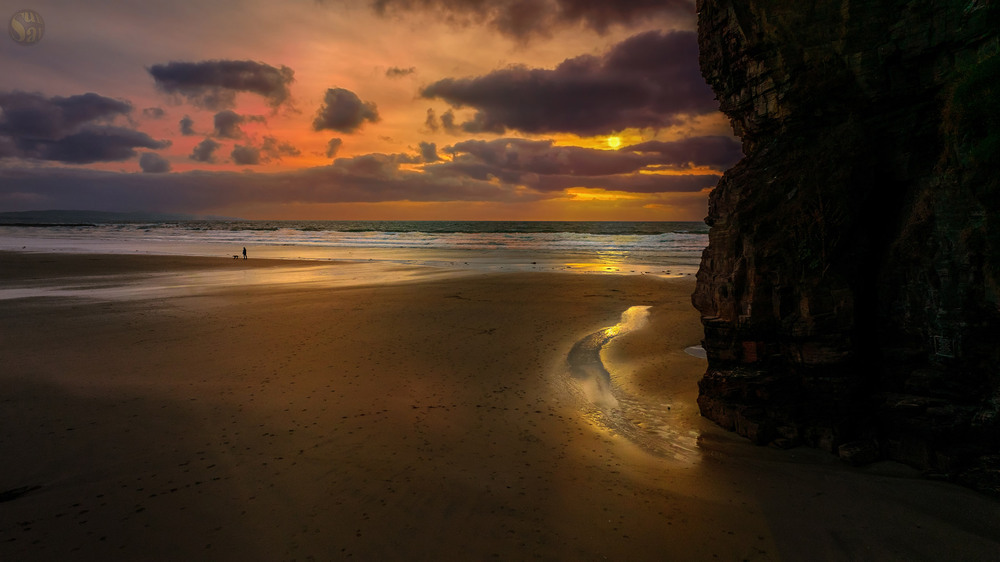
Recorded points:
(661, 248)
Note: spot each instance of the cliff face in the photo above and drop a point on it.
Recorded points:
(849, 291)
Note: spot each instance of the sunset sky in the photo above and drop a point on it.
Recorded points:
(371, 109)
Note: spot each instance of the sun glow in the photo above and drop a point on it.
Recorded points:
(614, 142)
(597, 194)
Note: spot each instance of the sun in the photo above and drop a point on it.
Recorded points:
(614, 142)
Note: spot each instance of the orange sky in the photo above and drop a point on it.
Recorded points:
(551, 117)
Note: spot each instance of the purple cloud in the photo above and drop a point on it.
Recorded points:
(153, 163)
(717, 152)
(368, 178)
(428, 152)
(187, 126)
(343, 111)
(333, 147)
(397, 72)
(205, 151)
(525, 18)
(649, 80)
(245, 155)
(32, 116)
(213, 84)
(227, 123)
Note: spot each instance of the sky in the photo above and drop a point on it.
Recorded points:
(362, 110)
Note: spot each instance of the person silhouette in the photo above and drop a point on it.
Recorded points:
(244, 252)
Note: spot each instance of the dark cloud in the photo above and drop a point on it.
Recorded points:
(649, 80)
(368, 178)
(333, 146)
(542, 157)
(75, 129)
(89, 145)
(205, 151)
(543, 166)
(374, 166)
(153, 112)
(274, 149)
(245, 155)
(428, 152)
(227, 123)
(214, 84)
(599, 15)
(32, 116)
(187, 126)
(431, 122)
(525, 18)
(153, 163)
(500, 170)
(631, 183)
(396, 72)
(448, 121)
(717, 152)
(7, 148)
(445, 122)
(343, 111)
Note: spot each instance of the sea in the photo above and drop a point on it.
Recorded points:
(658, 248)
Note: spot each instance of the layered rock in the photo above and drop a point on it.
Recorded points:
(849, 291)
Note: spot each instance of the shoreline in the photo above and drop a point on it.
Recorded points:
(476, 251)
(430, 419)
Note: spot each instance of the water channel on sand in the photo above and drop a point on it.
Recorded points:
(640, 420)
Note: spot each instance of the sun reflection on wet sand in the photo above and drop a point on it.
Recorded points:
(605, 267)
(642, 421)
(161, 285)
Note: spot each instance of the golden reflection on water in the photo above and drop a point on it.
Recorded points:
(594, 267)
(644, 422)
(160, 285)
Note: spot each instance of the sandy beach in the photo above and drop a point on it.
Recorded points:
(434, 418)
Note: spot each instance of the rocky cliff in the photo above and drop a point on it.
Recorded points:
(849, 291)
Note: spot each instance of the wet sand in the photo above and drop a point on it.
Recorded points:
(432, 419)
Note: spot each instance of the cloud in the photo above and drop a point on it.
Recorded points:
(540, 165)
(270, 149)
(499, 170)
(205, 151)
(96, 144)
(448, 121)
(397, 72)
(431, 122)
(245, 155)
(714, 151)
(599, 15)
(75, 130)
(213, 84)
(523, 19)
(152, 163)
(333, 146)
(544, 157)
(32, 116)
(187, 126)
(428, 152)
(649, 80)
(274, 149)
(227, 124)
(368, 178)
(343, 111)
(153, 112)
